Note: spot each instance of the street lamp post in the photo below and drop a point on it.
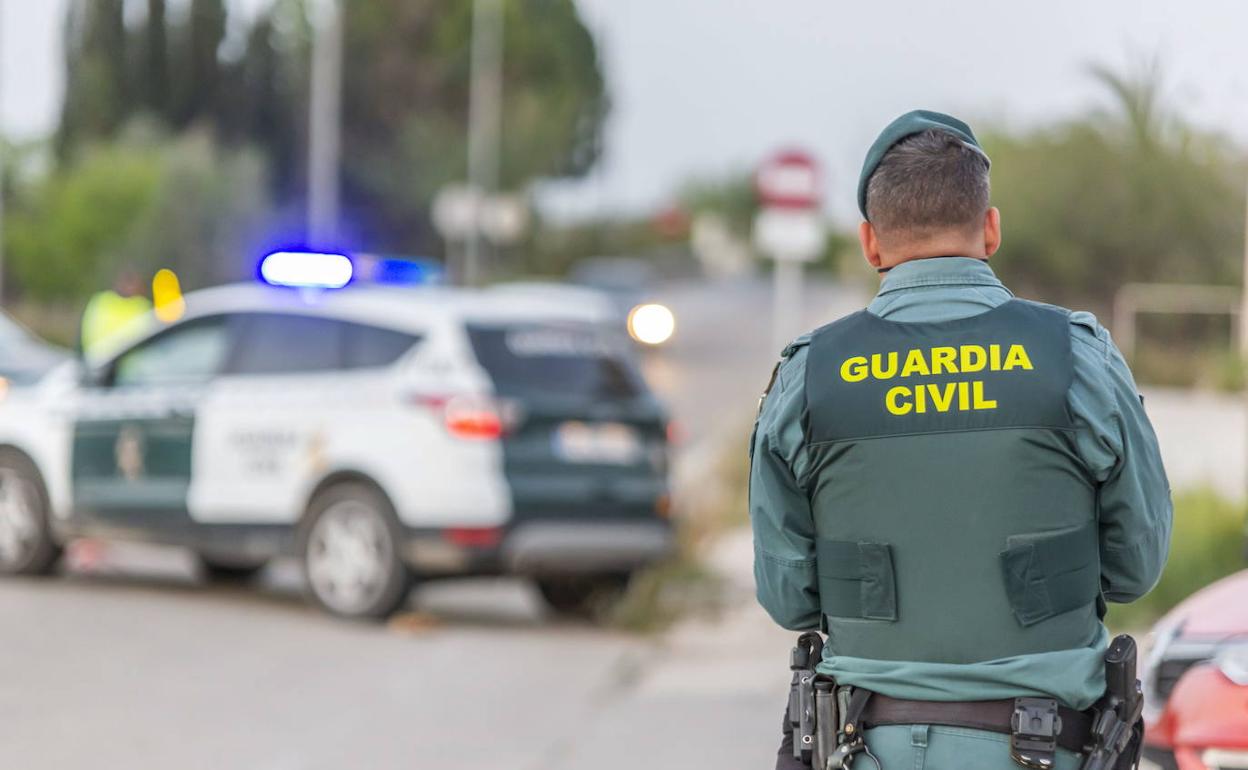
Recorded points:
(325, 127)
(484, 122)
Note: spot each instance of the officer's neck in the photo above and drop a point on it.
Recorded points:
(953, 246)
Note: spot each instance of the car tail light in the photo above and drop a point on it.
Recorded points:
(471, 417)
(473, 537)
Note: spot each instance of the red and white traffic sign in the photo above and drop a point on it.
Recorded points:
(789, 226)
(790, 179)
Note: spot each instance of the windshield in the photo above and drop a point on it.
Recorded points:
(550, 359)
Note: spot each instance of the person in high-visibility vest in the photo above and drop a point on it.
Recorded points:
(110, 312)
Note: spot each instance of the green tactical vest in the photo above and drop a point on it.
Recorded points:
(955, 521)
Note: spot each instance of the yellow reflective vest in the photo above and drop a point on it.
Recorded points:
(108, 314)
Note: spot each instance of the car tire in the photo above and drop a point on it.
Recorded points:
(588, 597)
(350, 547)
(27, 545)
(217, 570)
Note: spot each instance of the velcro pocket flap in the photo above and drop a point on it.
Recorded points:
(856, 579)
(1048, 574)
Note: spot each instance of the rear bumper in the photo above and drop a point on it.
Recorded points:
(545, 548)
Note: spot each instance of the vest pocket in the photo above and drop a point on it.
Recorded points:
(856, 580)
(1049, 574)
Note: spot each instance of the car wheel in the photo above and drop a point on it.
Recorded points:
(591, 597)
(27, 546)
(218, 570)
(350, 546)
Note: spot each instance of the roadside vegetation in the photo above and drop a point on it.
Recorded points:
(684, 586)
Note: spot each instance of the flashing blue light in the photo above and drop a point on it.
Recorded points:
(408, 272)
(307, 269)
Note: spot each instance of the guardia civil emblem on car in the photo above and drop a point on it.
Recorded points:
(129, 453)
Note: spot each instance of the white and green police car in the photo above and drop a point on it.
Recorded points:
(379, 433)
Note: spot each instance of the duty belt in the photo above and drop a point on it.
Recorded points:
(828, 721)
(1072, 733)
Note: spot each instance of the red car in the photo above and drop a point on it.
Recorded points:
(1196, 681)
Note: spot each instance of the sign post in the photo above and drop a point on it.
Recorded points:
(789, 230)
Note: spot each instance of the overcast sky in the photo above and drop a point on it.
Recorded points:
(707, 86)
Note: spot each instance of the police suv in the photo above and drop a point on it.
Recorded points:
(379, 433)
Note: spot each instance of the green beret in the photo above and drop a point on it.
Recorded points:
(913, 122)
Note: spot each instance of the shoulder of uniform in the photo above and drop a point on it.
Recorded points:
(787, 355)
(1085, 328)
(1083, 325)
(794, 346)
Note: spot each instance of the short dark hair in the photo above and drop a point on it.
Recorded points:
(926, 183)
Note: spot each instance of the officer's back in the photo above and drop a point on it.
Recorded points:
(952, 482)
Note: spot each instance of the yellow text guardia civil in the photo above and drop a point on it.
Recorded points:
(963, 395)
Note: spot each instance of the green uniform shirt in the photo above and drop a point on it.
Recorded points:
(1114, 440)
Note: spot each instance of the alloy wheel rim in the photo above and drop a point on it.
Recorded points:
(19, 524)
(349, 555)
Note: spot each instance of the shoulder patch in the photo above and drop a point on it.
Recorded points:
(785, 355)
(771, 382)
(792, 347)
(1086, 320)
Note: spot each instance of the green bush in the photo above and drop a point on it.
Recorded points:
(1207, 544)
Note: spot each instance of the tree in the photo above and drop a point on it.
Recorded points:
(199, 67)
(154, 72)
(405, 97)
(407, 79)
(97, 95)
(143, 202)
(1127, 194)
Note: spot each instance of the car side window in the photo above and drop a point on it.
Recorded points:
(371, 346)
(190, 353)
(273, 343)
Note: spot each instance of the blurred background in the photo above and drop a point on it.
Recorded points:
(512, 154)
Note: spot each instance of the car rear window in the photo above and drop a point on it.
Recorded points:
(548, 359)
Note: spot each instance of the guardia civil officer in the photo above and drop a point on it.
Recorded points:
(951, 483)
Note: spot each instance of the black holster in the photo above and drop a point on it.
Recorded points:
(1118, 733)
(801, 715)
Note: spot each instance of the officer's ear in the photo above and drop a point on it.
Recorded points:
(870, 244)
(992, 231)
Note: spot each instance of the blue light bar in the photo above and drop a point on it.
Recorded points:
(408, 272)
(307, 269)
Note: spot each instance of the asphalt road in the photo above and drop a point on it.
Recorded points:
(129, 662)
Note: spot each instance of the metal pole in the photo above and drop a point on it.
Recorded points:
(786, 301)
(325, 126)
(1243, 323)
(484, 121)
(1243, 297)
(1124, 321)
(3, 157)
